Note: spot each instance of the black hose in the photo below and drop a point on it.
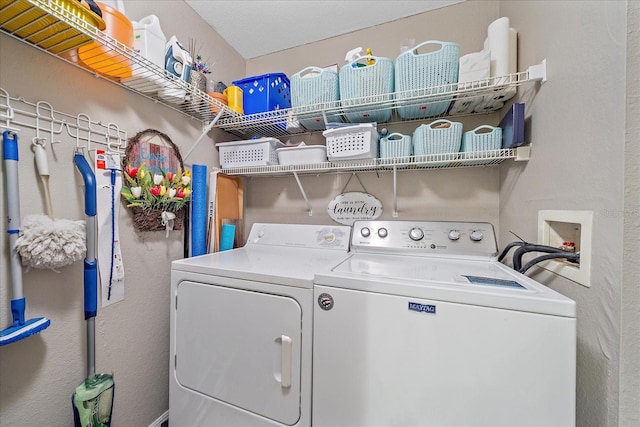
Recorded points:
(531, 247)
(570, 256)
(508, 248)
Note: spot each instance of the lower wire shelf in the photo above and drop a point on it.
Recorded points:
(427, 162)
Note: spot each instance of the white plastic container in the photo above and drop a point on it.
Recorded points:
(149, 42)
(352, 142)
(252, 152)
(305, 154)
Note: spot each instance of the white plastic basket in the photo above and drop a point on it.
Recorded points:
(352, 142)
(305, 154)
(253, 152)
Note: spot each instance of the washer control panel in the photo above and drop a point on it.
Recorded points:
(425, 237)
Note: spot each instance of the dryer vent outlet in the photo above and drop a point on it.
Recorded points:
(569, 230)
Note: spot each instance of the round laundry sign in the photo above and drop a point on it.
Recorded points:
(348, 207)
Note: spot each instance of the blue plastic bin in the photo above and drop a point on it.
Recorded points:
(263, 93)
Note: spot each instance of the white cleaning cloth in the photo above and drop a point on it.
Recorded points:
(46, 243)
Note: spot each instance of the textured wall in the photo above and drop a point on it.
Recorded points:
(577, 131)
(38, 375)
(630, 315)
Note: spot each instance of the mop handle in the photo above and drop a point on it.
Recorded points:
(10, 156)
(90, 262)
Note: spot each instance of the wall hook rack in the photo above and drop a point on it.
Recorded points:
(16, 113)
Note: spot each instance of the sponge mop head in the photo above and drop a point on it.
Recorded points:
(17, 332)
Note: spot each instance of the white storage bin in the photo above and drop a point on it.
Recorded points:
(352, 142)
(253, 152)
(304, 154)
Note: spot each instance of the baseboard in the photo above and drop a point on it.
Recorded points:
(161, 419)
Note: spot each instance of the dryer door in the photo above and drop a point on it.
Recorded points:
(240, 347)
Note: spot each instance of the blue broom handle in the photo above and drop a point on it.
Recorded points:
(90, 262)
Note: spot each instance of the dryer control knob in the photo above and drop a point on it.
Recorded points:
(476, 235)
(454, 235)
(365, 232)
(416, 234)
(382, 232)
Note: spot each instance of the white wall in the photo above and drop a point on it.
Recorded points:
(38, 375)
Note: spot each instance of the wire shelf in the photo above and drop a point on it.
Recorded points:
(391, 164)
(483, 95)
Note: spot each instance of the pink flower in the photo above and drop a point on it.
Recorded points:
(155, 191)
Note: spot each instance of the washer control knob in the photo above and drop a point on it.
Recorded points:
(365, 232)
(416, 234)
(476, 235)
(382, 232)
(454, 235)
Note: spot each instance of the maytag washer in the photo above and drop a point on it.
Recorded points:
(241, 328)
(421, 325)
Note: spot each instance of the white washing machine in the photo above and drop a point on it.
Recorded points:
(241, 328)
(422, 326)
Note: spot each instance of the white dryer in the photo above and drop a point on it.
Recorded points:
(241, 328)
(422, 326)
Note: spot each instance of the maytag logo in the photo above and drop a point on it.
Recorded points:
(423, 308)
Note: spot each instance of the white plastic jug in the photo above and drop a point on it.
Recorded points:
(149, 40)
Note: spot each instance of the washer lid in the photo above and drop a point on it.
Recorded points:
(477, 282)
(269, 264)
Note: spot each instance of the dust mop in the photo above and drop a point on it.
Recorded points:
(93, 399)
(45, 241)
(21, 328)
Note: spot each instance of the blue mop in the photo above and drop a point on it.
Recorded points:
(92, 399)
(21, 328)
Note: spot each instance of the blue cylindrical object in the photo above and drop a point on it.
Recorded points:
(198, 210)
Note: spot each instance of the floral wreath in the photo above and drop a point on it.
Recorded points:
(157, 198)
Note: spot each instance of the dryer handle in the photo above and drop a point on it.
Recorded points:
(285, 367)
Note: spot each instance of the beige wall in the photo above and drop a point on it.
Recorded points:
(630, 313)
(38, 375)
(577, 127)
(464, 194)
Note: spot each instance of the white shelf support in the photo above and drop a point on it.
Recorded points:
(395, 191)
(202, 135)
(538, 72)
(304, 195)
(523, 153)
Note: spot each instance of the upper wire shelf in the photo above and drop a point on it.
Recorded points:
(120, 64)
